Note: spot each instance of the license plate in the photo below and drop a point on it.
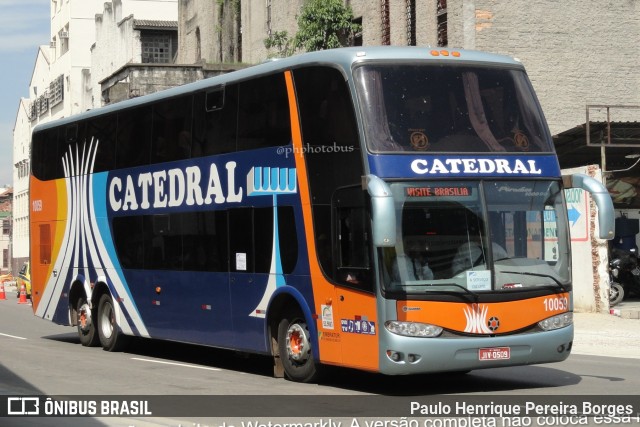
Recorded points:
(494, 353)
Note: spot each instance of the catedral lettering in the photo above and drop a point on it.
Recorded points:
(172, 188)
(471, 166)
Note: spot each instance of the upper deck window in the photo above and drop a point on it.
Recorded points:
(427, 108)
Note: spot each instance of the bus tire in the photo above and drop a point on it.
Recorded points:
(294, 346)
(110, 336)
(85, 321)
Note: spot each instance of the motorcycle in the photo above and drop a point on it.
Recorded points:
(616, 290)
(624, 269)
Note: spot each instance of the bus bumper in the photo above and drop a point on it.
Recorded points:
(401, 355)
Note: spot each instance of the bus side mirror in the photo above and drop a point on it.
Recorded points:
(600, 195)
(382, 211)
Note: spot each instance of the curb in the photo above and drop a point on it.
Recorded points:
(625, 314)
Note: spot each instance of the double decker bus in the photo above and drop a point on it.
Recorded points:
(395, 210)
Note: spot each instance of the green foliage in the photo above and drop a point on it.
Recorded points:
(280, 41)
(323, 24)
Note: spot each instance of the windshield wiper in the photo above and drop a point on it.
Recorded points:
(467, 291)
(546, 276)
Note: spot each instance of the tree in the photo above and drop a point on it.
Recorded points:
(323, 24)
(279, 41)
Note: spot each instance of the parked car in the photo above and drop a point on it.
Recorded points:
(24, 278)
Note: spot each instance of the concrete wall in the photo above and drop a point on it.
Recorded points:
(576, 52)
(208, 31)
(590, 285)
(257, 24)
(139, 79)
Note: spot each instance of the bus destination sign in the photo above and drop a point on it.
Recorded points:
(438, 191)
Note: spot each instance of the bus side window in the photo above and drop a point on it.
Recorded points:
(323, 99)
(133, 140)
(215, 126)
(263, 237)
(204, 241)
(263, 113)
(102, 132)
(128, 237)
(241, 250)
(171, 135)
(46, 155)
(352, 239)
(72, 148)
(251, 240)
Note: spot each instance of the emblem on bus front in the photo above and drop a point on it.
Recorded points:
(521, 140)
(419, 141)
(493, 323)
(477, 322)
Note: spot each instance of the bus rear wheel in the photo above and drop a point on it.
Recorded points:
(294, 346)
(86, 324)
(110, 336)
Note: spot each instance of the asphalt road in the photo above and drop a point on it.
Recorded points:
(40, 358)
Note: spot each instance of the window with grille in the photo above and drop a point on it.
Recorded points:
(156, 48)
(56, 93)
(33, 110)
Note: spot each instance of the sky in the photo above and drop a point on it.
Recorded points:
(24, 25)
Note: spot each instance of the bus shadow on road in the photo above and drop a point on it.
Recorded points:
(189, 353)
(495, 380)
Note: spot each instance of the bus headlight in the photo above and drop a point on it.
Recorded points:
(412, 329)
(556, 322)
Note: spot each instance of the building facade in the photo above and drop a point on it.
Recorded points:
(209, 32)
(63, 81)
(131, 33)
(6, 196)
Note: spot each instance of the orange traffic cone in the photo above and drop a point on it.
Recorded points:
(23, 295)
(3, 295)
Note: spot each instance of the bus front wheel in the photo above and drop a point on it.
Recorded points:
(294, 345)
(86, 324)
(110, 336)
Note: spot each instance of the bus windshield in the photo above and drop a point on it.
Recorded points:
(480, 236)
(426, 108)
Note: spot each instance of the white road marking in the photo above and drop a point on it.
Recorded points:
(176, 364)
(13, 336)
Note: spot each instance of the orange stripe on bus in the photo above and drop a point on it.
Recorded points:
(51, 202)
(323, 292)
(502, 317)
(336, 347)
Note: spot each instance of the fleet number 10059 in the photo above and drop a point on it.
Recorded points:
(556, 304)
(37, 205)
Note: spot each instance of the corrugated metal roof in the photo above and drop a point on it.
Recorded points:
(571, 145)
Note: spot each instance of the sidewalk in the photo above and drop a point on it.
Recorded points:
(615, 335)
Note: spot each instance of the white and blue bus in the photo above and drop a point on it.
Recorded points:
(395, 210)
